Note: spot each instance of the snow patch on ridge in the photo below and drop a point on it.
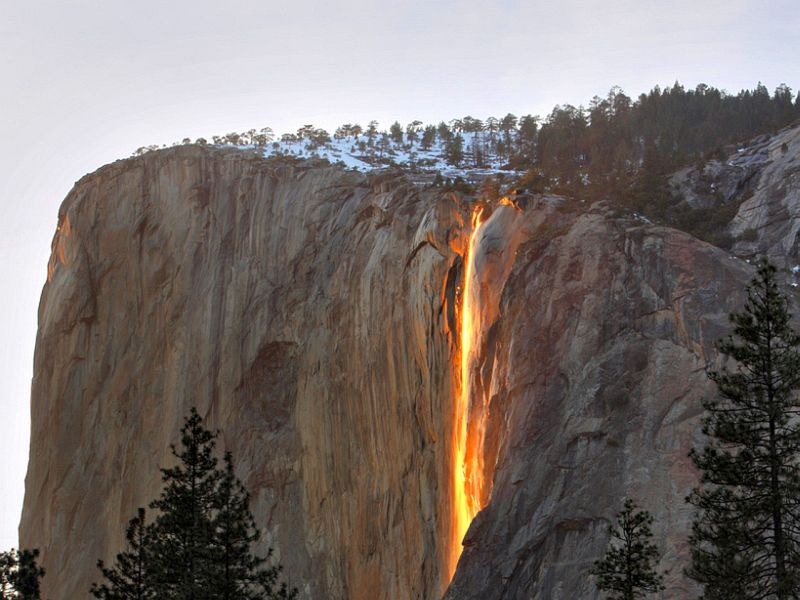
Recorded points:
(356, 152)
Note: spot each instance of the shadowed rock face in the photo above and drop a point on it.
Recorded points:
(768, 221)
(309, 313)
(596, 369)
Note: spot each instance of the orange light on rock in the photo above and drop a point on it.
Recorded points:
(467, 483)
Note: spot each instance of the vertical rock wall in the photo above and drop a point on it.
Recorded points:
(301, 310)
(594, 370)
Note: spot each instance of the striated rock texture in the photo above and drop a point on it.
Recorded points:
(594, 370)
(768, 220)
(300, 309)
(311, 314)
(760, 180)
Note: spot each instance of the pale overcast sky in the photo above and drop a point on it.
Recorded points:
(84, 82)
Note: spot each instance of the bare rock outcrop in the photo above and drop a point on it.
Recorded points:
(760, 182)
(595, 370)
(768, 220)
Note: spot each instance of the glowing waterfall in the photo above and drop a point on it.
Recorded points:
(467, 484)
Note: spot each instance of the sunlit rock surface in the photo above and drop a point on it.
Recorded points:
(301, 310)
(311, 314)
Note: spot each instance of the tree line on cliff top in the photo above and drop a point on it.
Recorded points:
(617, 149)
(580, 149)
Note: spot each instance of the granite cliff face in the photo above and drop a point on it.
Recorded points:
(762, 180)
(300, 309)
(313, 315)
(594, 371)
(768, 219)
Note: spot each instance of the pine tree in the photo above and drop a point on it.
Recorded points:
(130, 578)
(7, 564)
(745, 539)
(20, 575)
(198, 547)
(454, 150)
(396, 133)
(428, 137)
(627, 571)
(240, 575)
(183, 530)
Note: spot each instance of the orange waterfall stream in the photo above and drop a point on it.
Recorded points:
(467, 484)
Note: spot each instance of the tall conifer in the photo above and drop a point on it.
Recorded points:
(183, 527)
(20, 575)
(131, 576)
(627, 571)
(198, 547)
(745, 539)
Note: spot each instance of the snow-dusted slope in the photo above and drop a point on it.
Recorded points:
(364, 154)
